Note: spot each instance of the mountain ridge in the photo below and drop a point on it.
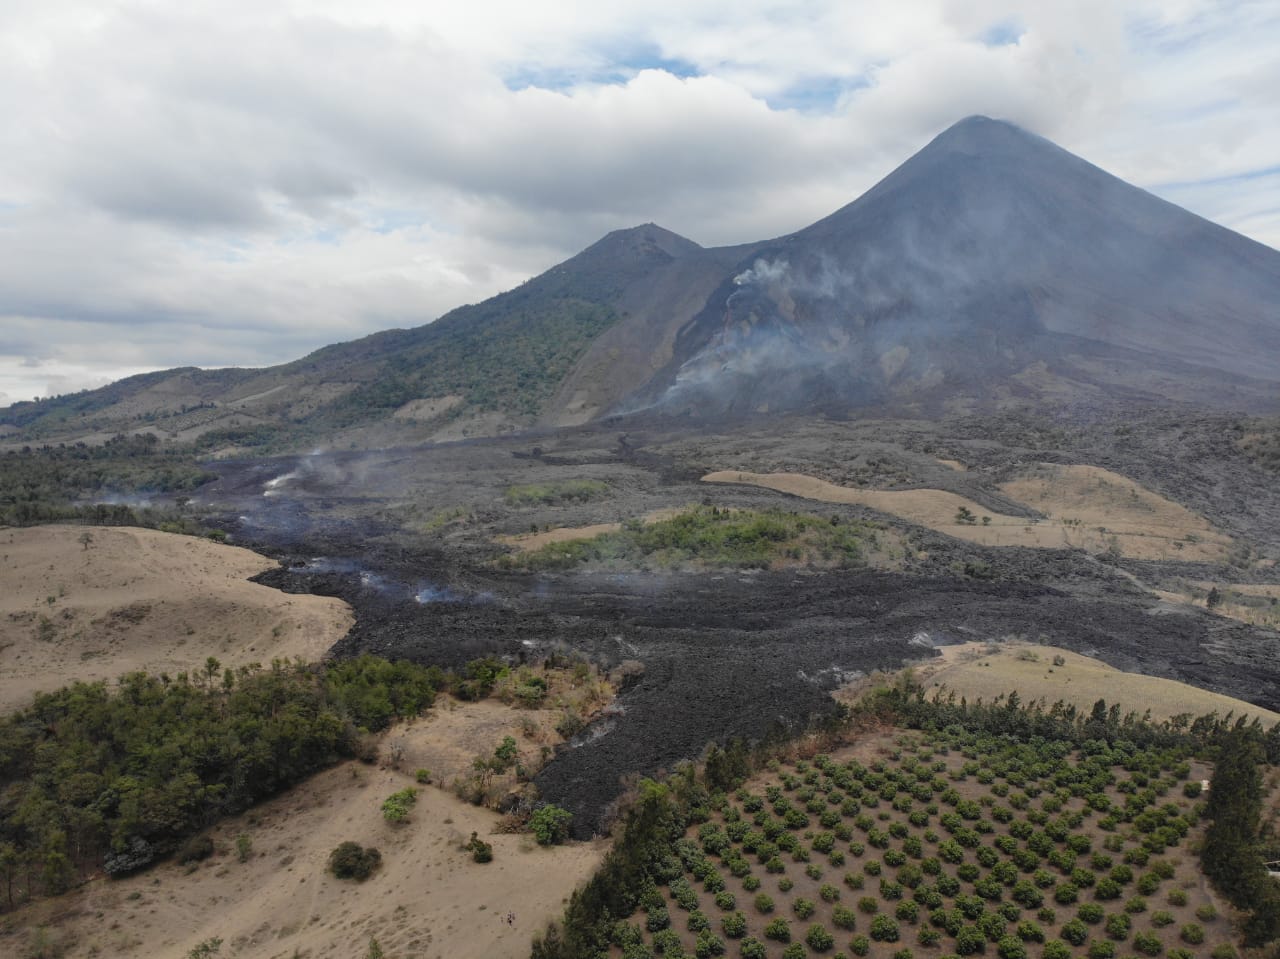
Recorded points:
(991, 267)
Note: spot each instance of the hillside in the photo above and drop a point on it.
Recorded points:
(991, 270)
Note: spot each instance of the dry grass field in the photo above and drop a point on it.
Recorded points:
(131, 599)
(988, 670)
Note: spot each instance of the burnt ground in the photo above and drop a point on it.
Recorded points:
(406, 536)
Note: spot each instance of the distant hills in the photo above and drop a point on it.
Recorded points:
(991, 269)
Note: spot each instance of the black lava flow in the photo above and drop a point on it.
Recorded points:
(736, 654)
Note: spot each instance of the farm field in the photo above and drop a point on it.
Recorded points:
(914, 845)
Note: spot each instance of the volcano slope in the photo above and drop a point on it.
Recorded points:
(415, 547)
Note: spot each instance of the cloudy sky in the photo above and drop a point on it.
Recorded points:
(237, 183)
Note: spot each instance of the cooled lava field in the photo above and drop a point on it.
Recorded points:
(740, 652)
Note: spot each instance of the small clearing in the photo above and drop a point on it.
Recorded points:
(127, 599)
(988, 670)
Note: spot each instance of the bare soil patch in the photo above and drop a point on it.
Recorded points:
(133, 599)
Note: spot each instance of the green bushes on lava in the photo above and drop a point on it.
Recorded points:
(710, 536)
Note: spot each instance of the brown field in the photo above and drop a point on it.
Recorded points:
(428, 899)
(1085, 507)
(988, 670)
(141, 599)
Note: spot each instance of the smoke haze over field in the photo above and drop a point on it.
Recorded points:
(237, 184)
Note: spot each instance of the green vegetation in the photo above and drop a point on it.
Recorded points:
(550, 824)
(351, 861)
(397, 806)
(553, 494)
(480, 850)
(51, 483)
(93, 777)
(980, 817)
(710, 536)
(506, 355)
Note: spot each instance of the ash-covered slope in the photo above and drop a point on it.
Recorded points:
(991, 265)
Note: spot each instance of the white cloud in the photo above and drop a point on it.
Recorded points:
(239, 182)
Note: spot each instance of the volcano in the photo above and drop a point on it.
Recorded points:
(991, 270)
(992, 265)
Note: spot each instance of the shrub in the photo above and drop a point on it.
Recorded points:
(1101, 949)
(734, 925)
(1107, 889)
(1065, 894)
(708, 945)
(1075, 932)
(550, 824)
(752, 948)
(970, 940)
(697, 921)
(803, 908)
(1117, 926)
(657, 919)
(779, 930)
(1192, 934)
(907, 911)
(818, 938)
(395, 808)
(928, 937)
(481, 851)
(1055, 949)
(764, 903)
(1011, 947)
(1147, 944)
(350, 861)
(869, 904)
(785, 884)
(884, 929)
(1206, 912)
(1177, 897)
(422, 776)
(751, 883)
(842, 917)
(859, 945)
(793, 951)
(667, 942)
